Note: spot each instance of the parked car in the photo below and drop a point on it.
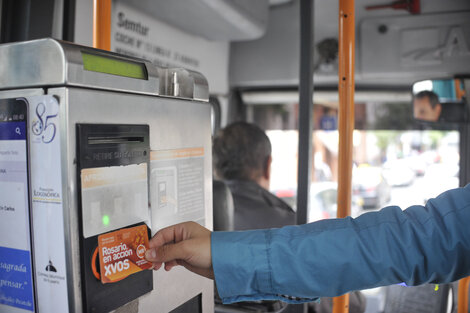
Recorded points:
(324, 201)
(370, 185)
(417, 163)
(398, 173)
(439, 178)
(288, 195)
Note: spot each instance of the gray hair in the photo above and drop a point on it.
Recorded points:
(241, 151)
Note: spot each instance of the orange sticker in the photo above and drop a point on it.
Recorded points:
(122, 253)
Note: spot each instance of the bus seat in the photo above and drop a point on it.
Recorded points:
(419, 299)
(222, 209)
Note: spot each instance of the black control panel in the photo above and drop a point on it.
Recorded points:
(104, 146)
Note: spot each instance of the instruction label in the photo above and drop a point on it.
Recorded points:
(177, 183)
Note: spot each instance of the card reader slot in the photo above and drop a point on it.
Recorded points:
(114, 140)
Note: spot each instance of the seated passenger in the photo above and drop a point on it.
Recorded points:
(242, 159)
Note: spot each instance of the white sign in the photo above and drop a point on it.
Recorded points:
(139, 35)
(47, 205)
(177, 186)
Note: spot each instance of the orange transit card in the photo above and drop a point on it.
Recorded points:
(122, 253)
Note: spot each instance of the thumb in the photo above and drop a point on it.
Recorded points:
(166, 253)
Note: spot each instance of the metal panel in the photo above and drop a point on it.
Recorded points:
(274, 58)
(29, 64)
(212, 19)
(21, 93)
(71, 232)
(48, 62)
(173, 124)
(410, 47)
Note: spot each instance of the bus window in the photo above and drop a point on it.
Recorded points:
(396, 160)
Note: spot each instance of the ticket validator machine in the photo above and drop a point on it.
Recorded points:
(106, 142)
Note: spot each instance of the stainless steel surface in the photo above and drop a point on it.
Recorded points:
(49, 62)
(185, 84)
(6, 94)
(174, 124)
(57, 20)
(31, 64)
(70, 200)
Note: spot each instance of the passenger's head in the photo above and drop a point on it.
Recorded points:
(242, 151)
(426, 106)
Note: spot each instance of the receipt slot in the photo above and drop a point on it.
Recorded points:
(115, 148)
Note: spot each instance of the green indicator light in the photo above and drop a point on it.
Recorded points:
(105, 220)
(109, 65)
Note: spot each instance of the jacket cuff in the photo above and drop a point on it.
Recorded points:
(242, 267)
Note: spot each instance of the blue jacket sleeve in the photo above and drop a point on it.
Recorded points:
(328, 258)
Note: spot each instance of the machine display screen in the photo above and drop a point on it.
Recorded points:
(113, 66)
(16, 287)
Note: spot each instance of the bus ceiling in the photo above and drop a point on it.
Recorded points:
(393, 47)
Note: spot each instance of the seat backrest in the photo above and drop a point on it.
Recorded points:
(222, 202)
(419, 299)
(223, 214)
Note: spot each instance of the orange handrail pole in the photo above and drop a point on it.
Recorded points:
(102, 24)
(345, 119)
(341, 304)
(462, 298)
(459, 92)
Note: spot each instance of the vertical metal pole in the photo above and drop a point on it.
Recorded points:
(464, 174)
(464, 130)
(462, 298)
(345, 120)
(68, 28)
(305, 108)
(15, 20)
(102, 24)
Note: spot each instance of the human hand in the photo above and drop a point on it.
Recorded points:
(187, 244)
